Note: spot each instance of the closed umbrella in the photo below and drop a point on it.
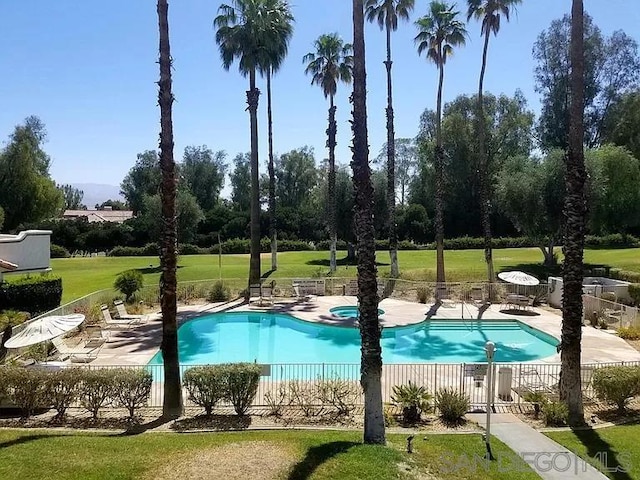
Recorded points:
(518, 278)
(43, 329)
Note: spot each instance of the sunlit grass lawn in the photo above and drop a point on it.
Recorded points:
(85, 275)
(606, 449)
(316, 455)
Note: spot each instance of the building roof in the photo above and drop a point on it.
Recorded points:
(117, 216)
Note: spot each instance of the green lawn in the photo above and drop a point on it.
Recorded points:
(41, 454)
(613, 450)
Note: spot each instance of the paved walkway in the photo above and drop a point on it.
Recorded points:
(549, 459)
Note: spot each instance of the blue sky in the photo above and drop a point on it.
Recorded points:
(89, 72)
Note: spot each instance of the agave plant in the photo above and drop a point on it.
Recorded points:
(412, 399)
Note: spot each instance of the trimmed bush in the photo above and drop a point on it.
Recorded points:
(218, 293)
(188, 249)
(132, 388)
(537, 399)
(149, 250)
(25, 388)
(31, 294)
(242, 380)
(629, 333)
(63, 388)
(128, 283)
(634, 293)
(56, 251)
(616, 385)
(452, 405)
(555, 414)
(412, 399)
(206, 386)
(97, 390)
(423, 294)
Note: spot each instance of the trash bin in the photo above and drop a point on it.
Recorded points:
(505, 378)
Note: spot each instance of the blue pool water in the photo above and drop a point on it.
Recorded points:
(277, 338)
(349, 311)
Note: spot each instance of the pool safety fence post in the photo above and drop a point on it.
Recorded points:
(489, 349)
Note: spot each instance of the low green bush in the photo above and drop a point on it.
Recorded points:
(97, 390)
(131, 388)
(451, 404)
(629, 333)
(63, 388)
(242, 380)
(129, 283)
(149, 250)
(206, 386)
(11, 318)
(617, 385)
(218, 293)
(56, 251)
(537, 399)
(188, 249)
(25, 388)
(413, 400)
(616, 240)
(634, 293)
(33, 294)
(423, 294)
(555, 414)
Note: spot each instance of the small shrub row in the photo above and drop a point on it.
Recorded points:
(616, 240)
(31, 294)
(629, 333)
(57, 251)
(626, 275)
(617, 385)
(634, 293)
(149, 250)
(32, 388)
(236, 383)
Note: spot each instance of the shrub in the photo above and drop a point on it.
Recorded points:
(538, 399)
(275, 400)
(131, 388)
(451, 404)
(412, 399)
(616, 385)
(423, 294)
(25, 388)
(242, 380)
(63, 388)
(128, 283)
(206, 386)
(188, 249)
(634, 293)
(11, 318)
(303, 395)
(56, 251)
(340, 394)
(629, 333)
(218, 293)
(555, 414)
(31, 294)
(149, 250)
(96, 390)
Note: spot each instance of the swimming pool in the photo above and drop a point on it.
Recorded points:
(278, 338)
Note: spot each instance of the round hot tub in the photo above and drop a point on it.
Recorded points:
(349, 311)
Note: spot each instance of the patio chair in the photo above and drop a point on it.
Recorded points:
(123, 315)
(116, 322)
(259, 295)
(95, 332)
(86, 352)
(532, 381)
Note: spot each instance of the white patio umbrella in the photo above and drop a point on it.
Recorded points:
(518, 278)
(44, 329)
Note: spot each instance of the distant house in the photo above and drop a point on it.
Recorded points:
(105, 215)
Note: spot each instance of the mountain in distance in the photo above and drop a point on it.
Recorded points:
(96, 193)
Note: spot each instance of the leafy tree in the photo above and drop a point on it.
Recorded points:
(128, 283)
(575, 213)
(1, 217)
(490, 13)
(27, 194)
(612, 68)
(253, 32)
(380, 206)
(188, 212)
(72, 197)
(240, 178)
(330, 64)
(386, 13)
(344, 196)
(296, 176)
(142, 180)
(439, 32)
(413, 223)
(370, 331)
(622, 125)
(203, 172)
(172, 403)
(114, 204)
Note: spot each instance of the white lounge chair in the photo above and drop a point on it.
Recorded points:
(260, 295)
(86, 352)
(115, 322)
(123, 315)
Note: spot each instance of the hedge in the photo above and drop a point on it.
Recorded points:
(31, 294)
(59, 252)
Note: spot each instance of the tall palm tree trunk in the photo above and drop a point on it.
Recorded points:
(439, 197)
(485, 207)
(272, 182)
(172, 402)
(575, 210)
(331, 144)
(370, 331)
(253, 94)
(391, 166)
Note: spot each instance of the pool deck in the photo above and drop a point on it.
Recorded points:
(137, 345)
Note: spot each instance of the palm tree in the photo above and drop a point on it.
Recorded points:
(575, 212)
(172, 403)
(370, 331)
(330, 64)
(490, 12)
(254, 32)
(274, 63)
(387, 13)
(438, 33)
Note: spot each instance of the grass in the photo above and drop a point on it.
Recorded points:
(85, 275)
(606, 449)
(312, 455)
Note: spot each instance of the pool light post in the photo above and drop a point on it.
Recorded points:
(489, 349)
